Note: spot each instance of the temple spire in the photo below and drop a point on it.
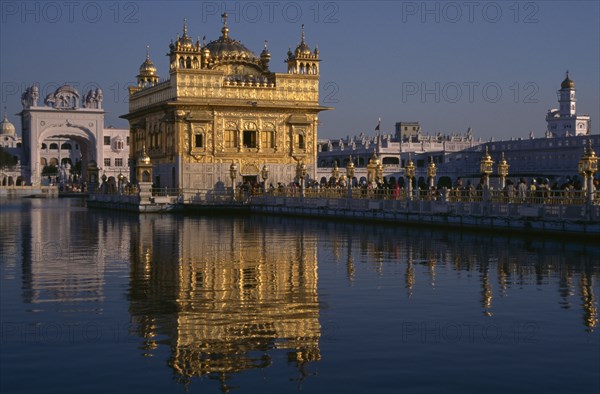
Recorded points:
(225, 29)
(185, 27)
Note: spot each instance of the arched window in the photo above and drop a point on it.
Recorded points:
(65, 146)
(300, 141)
(54, 146)
(198, 141)
(249, 139)
(44, 146)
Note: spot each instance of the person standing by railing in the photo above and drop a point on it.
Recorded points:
(522, 189)
(510, 191)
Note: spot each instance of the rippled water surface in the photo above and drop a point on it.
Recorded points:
(108, 302)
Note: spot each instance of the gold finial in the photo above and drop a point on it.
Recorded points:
(225, 29)
(591, 152)
(266, 43)
(302, 34)
(148, 52)
(185, 27)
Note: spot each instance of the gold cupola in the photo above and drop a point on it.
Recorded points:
(147, 74)
(303, 60)
(265, 56)
(6, 128)
(568, 83)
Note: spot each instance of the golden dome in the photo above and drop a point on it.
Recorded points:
(567, 83)
(265, 52)
(6, 128)
(185, 41)
(303, 48)
(143, 156)
(147, 68)
(226, 47)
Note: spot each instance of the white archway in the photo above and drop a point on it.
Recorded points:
(90, 146)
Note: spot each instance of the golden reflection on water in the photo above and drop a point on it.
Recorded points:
(223, 295)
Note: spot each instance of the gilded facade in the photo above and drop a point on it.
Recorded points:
(221, 105)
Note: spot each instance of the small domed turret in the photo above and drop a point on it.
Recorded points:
(567, 83)
(147, 75)
(265, 56)
(303, 60)
(303, 48)
(6, 128)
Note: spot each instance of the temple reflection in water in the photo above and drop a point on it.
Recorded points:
(224, 294)
(218, 296)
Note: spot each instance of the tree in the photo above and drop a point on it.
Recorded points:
(50, 170)
(6, 159)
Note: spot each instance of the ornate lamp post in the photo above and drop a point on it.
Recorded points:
(431, 172)
(121, 179)
(233, 174)
(371, 168)
(409, 171)
(92, 176)
(378, 171)
(264, 173)
(301, 174)
(503, 171)
(335, 172)
(350, 175)
(485, 167)
(104, 186)
(588, 166)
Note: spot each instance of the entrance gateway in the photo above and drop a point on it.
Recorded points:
(68, 116)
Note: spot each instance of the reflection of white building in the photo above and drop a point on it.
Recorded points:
(67, 130)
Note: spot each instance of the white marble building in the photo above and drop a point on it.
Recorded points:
(392, 150)
(68, 130)
(555, 156)
(564, 121)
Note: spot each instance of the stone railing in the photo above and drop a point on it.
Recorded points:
(548, 197)
(524, 216)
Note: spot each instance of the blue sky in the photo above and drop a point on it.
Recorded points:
(493, 66)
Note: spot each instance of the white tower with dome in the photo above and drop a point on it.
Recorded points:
(565, 122)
